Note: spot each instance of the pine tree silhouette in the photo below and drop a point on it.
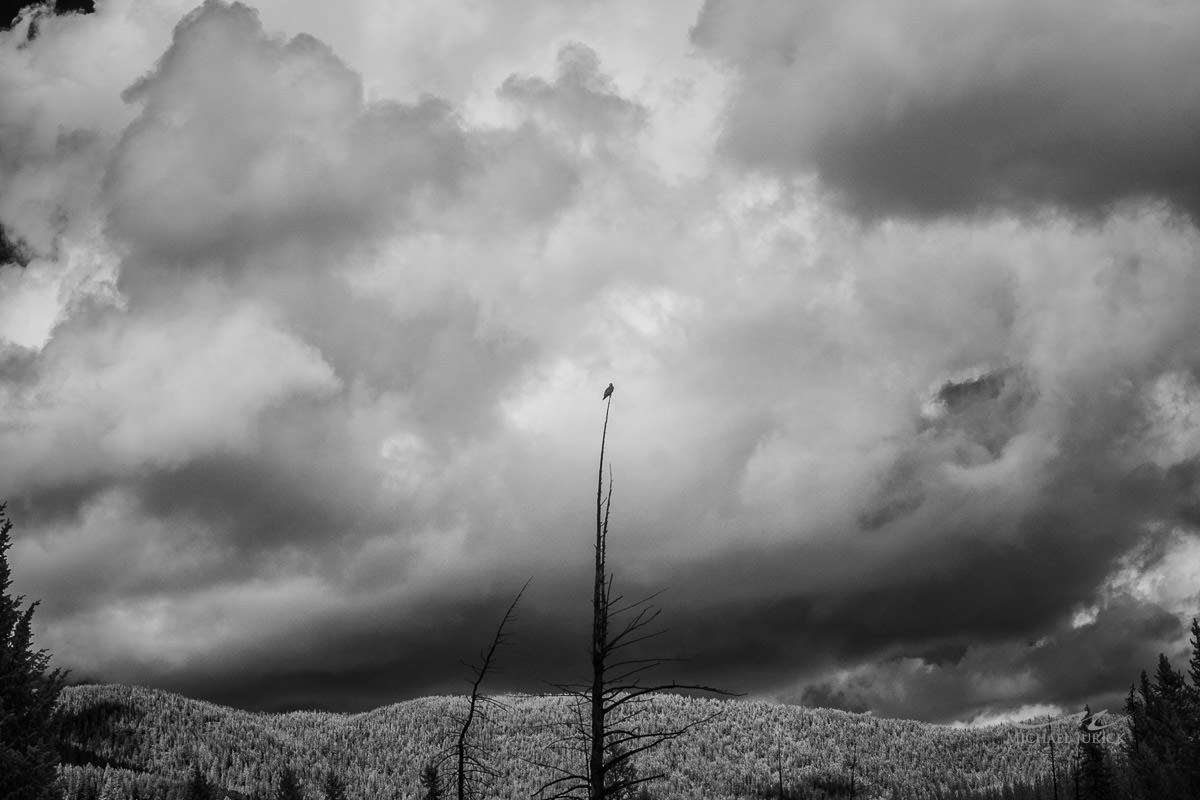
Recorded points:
(1163, 747)
(1095, 772)
(289, 786)
(198, 787)
(28, 694)
(334, 787)
(431, 782)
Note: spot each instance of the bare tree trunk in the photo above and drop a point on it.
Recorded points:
(610, 734)
(1053, 765)
(599, 629)
(779, 761)
(469, 762)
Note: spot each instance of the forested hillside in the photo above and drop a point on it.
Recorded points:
(123, 742)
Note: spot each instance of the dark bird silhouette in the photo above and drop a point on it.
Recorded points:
(607, 392)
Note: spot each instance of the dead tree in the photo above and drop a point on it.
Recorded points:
(471, 769)
(610, 733)
(779, 761)
(1053, 764)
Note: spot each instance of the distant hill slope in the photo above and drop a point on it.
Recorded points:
(136, 738)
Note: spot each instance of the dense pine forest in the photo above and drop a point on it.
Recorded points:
(129, 742)
(142, 742)
(122, 742)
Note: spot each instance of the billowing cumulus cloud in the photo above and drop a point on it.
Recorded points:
(293, 155)
(301, 377)
(926, 108)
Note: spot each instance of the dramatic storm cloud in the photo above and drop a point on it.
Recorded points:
(305, 318)
(944, 106)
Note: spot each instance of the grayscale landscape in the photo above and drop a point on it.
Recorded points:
(749, 399)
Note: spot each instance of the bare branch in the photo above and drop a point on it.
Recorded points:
(463, 746)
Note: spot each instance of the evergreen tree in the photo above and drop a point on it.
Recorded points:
(1194, 663)
(1095, 774)
(1136, 750)
(334, 787)
(198, 787)
(289, 786)
(431, 782)
(1167, 726)
(111, 790)
(28, 695)
(1192, 714)
(1161, 745)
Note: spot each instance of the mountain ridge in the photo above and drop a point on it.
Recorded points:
(137, 739)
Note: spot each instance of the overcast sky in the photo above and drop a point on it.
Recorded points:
(300, 379)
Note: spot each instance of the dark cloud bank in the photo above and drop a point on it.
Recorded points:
(323, 390)
(945, 107)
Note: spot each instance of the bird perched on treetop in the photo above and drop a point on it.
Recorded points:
(607, 392)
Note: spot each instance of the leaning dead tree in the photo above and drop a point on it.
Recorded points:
(609, 727)
(471, 770)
